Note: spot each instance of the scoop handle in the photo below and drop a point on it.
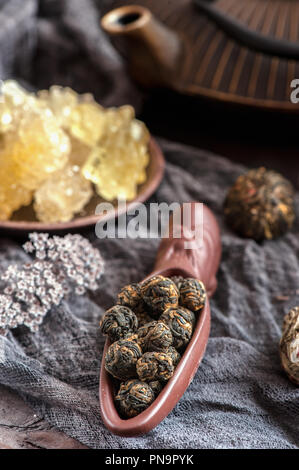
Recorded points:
(199, 257)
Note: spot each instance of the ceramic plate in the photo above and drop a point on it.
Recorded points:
(24, 219)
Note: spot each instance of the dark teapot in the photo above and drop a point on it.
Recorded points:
(233, 50)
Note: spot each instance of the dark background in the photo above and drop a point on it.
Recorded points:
(248, 135)
(251, 136)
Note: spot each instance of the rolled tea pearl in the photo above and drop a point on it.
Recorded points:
(174, 354)
(134, 397)
(159, 293)
(192, 294)
(133, 337)
(187, 314)
(118, 322)
(153, 366)
(260, 204)
(289, 345)
(121, 359)
(154, 336)
(130, 296)
(143, 318)
(156, 387)
(179, 321)
(177, 280)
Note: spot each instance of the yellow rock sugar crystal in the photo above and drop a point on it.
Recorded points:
(81, 115)
(61, 100)
(12, 195)
(38, 149)
(79, 151)
(13, 99)
(117, 164)
(57, 142)
(62, 195)
(87, 123)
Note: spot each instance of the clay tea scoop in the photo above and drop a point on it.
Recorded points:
(173, 259)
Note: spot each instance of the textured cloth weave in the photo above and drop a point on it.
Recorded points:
(240, 397)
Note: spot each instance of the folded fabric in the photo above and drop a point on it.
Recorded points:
(240, 396)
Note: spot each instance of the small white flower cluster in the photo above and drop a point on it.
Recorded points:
(62, 265)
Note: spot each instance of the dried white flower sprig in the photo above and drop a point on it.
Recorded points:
(62, 265)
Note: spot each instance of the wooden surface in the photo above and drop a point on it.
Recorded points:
(20, 428)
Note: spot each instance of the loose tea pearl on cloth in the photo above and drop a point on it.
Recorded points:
(289, 345)
(118, 322)
(155, 366)
(159, 293)
(154, 336)
(260, 205)
(121, 359)
(133, 397)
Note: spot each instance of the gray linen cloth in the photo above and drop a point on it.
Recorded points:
(240, 397)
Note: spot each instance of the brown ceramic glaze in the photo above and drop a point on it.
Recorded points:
(153, 51)
(173, 259)
(24, 220)
(179, 45)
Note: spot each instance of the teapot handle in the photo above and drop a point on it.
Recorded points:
(244, 35)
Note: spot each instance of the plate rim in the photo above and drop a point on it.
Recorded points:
(149, 188)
